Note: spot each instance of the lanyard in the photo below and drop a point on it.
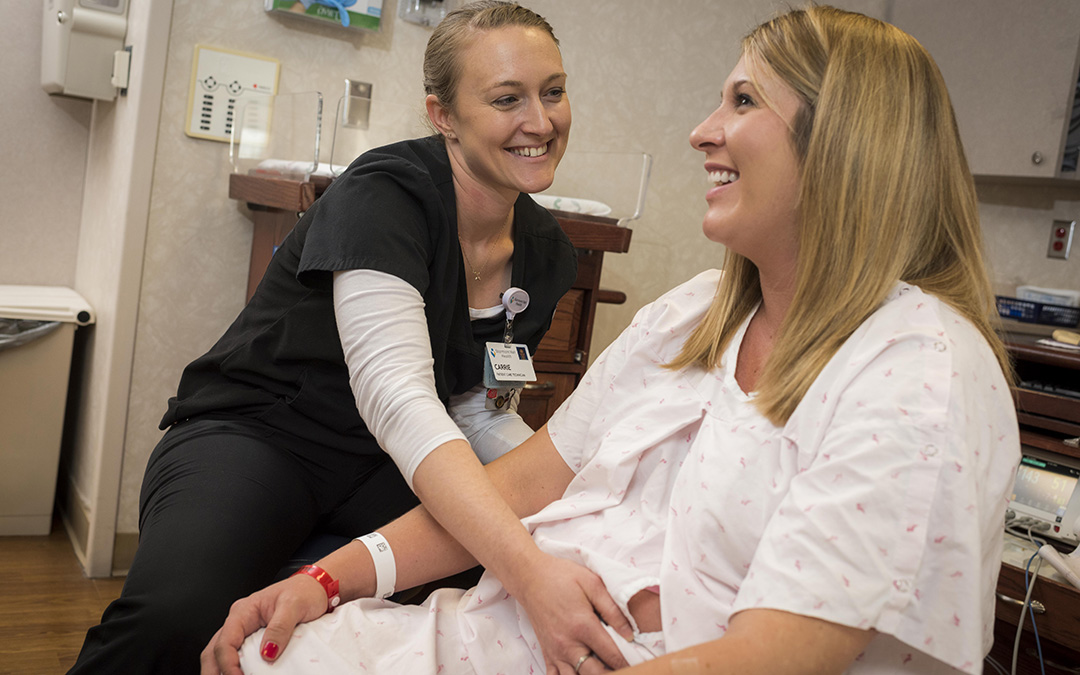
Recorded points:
(515, 300)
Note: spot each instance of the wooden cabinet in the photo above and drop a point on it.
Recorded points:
(563, 354)
(1047, 421)
(1011, 68)
(541, 398)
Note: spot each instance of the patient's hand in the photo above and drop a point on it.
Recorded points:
(563, 600)
(279, 607)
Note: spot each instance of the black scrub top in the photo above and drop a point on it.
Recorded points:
(393, 210)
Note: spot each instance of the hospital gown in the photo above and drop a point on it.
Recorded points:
(877, 505)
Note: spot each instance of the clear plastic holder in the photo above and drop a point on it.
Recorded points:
(277, 135)
(280, 136)
(600, 183)
(361, 124)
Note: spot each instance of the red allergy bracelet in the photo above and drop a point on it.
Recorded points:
(333, 599)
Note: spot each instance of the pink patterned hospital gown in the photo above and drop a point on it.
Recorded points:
(878, 505)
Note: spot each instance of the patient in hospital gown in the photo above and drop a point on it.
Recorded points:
(877, 505)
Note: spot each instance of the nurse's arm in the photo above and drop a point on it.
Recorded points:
(564, 601)
(525, 480)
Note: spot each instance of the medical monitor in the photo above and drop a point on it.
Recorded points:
(1046, 489)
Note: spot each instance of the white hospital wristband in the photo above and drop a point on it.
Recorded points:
(385, 568)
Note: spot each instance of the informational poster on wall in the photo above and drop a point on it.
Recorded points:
(362, 14)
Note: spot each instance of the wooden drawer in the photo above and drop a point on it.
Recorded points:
(1059, 660)
(540, 399)
(1042, 404)
(560, 344)
(1060, 622)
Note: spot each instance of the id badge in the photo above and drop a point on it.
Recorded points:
(507, 364)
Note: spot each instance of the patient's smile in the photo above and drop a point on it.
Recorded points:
(723, 177)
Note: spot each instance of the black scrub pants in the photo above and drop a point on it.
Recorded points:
(223, 505)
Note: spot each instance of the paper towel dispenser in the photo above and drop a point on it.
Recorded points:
(79, 44)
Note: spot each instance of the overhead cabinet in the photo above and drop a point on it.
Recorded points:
(1011, 69)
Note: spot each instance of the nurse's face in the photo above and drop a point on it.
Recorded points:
(508, 127)
(752, 168)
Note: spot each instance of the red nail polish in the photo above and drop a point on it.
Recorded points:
(270, 651)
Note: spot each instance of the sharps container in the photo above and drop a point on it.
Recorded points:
(37, 330)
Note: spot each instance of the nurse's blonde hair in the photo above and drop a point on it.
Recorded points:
(885, 194)
(442, 62)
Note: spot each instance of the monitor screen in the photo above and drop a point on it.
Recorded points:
(1044, 486)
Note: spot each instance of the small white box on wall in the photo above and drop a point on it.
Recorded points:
(79, 41)
(222, 80)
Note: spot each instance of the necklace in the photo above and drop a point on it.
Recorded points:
(477, 272)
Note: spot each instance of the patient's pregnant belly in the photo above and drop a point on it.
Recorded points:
(645, 608)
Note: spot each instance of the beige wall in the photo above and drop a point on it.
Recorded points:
(642, 74)
(1017, 221)
(43, 149)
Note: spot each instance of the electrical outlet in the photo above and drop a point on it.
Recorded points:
(1061, 236)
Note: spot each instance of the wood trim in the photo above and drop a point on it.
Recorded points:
(1048, 443)
(597, 236)
(1038, 403)
(276, 193)
(1027, 348)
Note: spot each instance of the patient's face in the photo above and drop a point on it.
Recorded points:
(752, 167)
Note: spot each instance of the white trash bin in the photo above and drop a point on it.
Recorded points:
(35, 360)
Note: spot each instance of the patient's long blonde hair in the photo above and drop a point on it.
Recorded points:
(885, 194)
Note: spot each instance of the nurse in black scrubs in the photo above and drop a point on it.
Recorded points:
(353, 381)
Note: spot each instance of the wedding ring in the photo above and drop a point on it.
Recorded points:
(582, 660)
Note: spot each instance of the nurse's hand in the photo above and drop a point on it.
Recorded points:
(563, 601)
(280, 607)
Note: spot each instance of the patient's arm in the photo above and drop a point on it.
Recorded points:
(766, 641)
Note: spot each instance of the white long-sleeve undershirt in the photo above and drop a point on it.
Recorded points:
(384, 336)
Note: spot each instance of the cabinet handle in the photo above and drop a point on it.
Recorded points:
(1072, 442)
(1036, 606)
(1036, 158)
(542, 386)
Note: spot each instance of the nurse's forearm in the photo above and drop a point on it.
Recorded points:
(457, 491)
(524, 481)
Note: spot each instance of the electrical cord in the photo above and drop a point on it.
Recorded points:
(1012, 525)
(1027, 604)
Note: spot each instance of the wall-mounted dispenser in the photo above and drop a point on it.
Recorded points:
(79, 44)
(425, 12)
